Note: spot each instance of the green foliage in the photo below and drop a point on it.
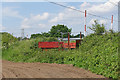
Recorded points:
(102, 54)
(111, 31)
(97, 53)
(55, 31)
(36, 35)
(52, 39)
(7, 40)
(97, 28)
(44, 34)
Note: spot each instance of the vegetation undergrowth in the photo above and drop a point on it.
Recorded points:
(97, 53)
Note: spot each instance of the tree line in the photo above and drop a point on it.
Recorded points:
(60, 31)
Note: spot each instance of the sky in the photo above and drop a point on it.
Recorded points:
(36, 17)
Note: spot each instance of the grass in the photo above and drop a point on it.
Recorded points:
(97, 53)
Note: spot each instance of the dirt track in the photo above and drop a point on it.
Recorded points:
(44, 70)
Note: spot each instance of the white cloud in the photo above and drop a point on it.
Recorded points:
(42, 25)
(25, 26)
(40, 17)
(103, 21)
(7, 11)
(115, 1)
(85, 5)
(25, 19)
(92, 22)
(70, 17)
(2, 27)
(34, 21)
(102, 8)
(58, 18)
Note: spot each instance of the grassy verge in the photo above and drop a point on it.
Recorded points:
(97, 53)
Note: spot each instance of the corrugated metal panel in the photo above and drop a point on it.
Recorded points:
(71, 39)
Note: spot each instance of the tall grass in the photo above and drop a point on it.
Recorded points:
(97, 53)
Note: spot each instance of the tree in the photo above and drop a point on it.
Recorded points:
(7, 39)
(56, 31)
(45, 34)
(97, 28)
(36, 35)
(78, 36)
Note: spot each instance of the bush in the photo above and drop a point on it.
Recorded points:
(97, 28)
(97, 53)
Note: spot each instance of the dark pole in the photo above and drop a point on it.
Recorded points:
(80, 36)
(68, 39)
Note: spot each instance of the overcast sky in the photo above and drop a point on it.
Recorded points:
(37, 17)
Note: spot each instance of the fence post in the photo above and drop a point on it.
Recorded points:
(68, 40)
(80, 36)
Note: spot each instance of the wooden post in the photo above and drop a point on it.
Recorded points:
(80, 36)
(68, 40)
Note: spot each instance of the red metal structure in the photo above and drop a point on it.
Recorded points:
(52, 45)
(49, 45)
